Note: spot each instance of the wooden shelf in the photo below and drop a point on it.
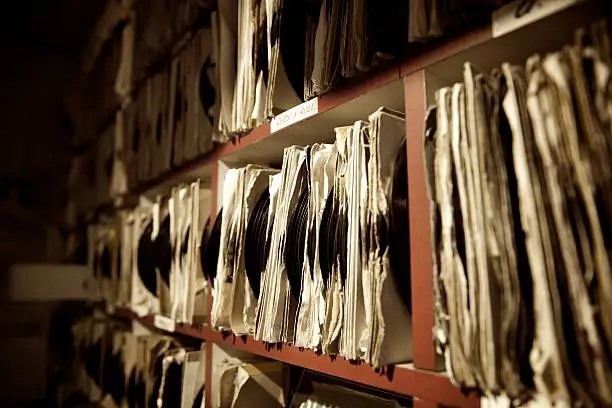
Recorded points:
(402, 379)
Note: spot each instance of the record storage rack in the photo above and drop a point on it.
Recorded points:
(414, 77)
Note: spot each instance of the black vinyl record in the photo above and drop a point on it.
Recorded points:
(295, 243)
(327, 230)
(171, 393)
(132, 393)
(341, 242)
(206, 90)
(119, 259)
(209, 249)
(80, 253)
(256, 244)
(114, 375)
(399, 238)
(105, 261)
(106, 368)
(312, 243)
(136, 389)
(163, 250)
(292, 16)
(96, 263)
(141, 391)
(260, 52)
(203, 241)
(146, 260)
(197, 402)
(333, 239)
(92, 359)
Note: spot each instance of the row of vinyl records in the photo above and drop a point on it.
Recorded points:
(120, 368)
(281, 53)
(520, 181)
(250, 61)
(117, 368)
(314, 254)
(149, 258)
(271, 55)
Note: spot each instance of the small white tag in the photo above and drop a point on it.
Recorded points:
(510, 17)
(294, 115)
(163, 323)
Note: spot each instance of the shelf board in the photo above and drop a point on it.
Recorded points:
(195, 332)
(402, 379)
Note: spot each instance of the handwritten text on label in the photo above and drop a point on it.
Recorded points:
(505, 19)
(294, 115)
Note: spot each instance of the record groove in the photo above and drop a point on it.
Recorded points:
(146, 260)
(295, 243)
(257, 246)
(341, 242)
(327, 231)
(209, 250)
(105, 261)
(163, 250)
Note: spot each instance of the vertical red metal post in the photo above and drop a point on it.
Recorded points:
(214, 182)
(418, 213)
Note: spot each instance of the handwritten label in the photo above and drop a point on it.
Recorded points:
(294, 115)
(516, 14)
(163, 323)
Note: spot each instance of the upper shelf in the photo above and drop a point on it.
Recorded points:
(487, 45)
(402, 379)
(343, 105)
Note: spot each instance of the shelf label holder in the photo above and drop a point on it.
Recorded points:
(294, 115)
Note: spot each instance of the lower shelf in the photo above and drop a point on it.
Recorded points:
(402, 379)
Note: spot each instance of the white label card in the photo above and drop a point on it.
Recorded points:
(294, 115)
(164, 323)
(520, 13)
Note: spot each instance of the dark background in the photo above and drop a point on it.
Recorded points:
(41, 43)
(41, 46)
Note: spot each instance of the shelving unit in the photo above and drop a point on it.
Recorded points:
(405, 85)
